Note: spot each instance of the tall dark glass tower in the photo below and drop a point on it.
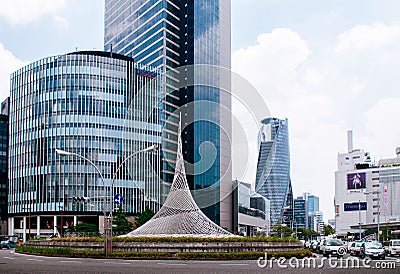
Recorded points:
(168, 34)
(273, 169)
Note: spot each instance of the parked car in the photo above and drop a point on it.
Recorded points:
(333, 247)
(373, 249)
(355, 248)
(394, 247)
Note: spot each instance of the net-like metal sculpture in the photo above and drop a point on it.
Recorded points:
(179, 215)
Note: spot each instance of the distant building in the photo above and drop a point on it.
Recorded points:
(313, 202)
(252, 210)
(300, 213)
(366, 192)
(317, 221)
(331, 222)
(312, 207)
(273, 169)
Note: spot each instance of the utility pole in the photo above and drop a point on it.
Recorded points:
(359, 218)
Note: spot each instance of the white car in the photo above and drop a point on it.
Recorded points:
(373, 250)
(333, 247)
(394, 247)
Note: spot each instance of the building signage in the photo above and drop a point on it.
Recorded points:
(385, 199)
(356, 181)
(355, 206)
(146, 73)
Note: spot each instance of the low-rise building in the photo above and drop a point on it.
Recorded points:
(251, 210)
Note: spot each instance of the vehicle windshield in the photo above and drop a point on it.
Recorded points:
(373, 245)
(396, 243)
(334, 242)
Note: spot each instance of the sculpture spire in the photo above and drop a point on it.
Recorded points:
(180, 215)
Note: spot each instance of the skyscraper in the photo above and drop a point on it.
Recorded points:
(168, 34)
(273, 169)
(300, 212)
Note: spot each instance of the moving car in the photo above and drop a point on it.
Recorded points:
(373, 250)
(333, 247)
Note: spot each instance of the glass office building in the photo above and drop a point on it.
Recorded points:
(101, 106)
(300, 213)
(273, 169)
(3, 171)
(169, 34)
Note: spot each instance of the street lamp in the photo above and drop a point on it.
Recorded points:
(107, 220)
(359, 218)
(29, 221)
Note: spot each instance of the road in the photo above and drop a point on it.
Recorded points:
(11, 262)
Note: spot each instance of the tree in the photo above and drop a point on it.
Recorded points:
(328, 230)
(307, 234)
(120, 220)
(281, 230)
(84, 227)
(143, 217)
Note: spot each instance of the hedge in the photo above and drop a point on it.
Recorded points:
(177, 239)
(69, 252)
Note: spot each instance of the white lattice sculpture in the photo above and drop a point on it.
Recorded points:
(180, 215)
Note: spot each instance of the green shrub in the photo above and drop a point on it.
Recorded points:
(242, 255)
(162, 255)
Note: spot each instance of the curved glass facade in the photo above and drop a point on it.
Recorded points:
(101, 106)
(273, 169)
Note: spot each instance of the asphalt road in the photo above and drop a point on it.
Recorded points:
(11, 262)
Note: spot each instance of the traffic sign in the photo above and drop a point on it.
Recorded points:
(118, 199)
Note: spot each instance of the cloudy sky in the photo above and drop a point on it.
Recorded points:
(328, 66)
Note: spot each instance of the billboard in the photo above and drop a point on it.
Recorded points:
(355, 206)
(356, 180)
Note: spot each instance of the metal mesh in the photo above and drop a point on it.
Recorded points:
(180, 215)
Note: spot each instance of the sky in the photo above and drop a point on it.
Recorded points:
(327, 66)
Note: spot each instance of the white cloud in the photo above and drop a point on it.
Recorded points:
(25, 11)
(326, 91)
(383, 133)
(366, 37)
(9, 63)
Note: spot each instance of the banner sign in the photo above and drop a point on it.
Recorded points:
(385, 199)
(355, 206)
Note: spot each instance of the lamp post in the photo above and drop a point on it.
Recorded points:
(379, 208)
(107, 220)
(359, 218)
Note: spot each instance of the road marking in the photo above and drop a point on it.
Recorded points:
(170, 264)
(9, 258)
(233, 264)
(34, 260)
(71, 262)
(115, 263)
